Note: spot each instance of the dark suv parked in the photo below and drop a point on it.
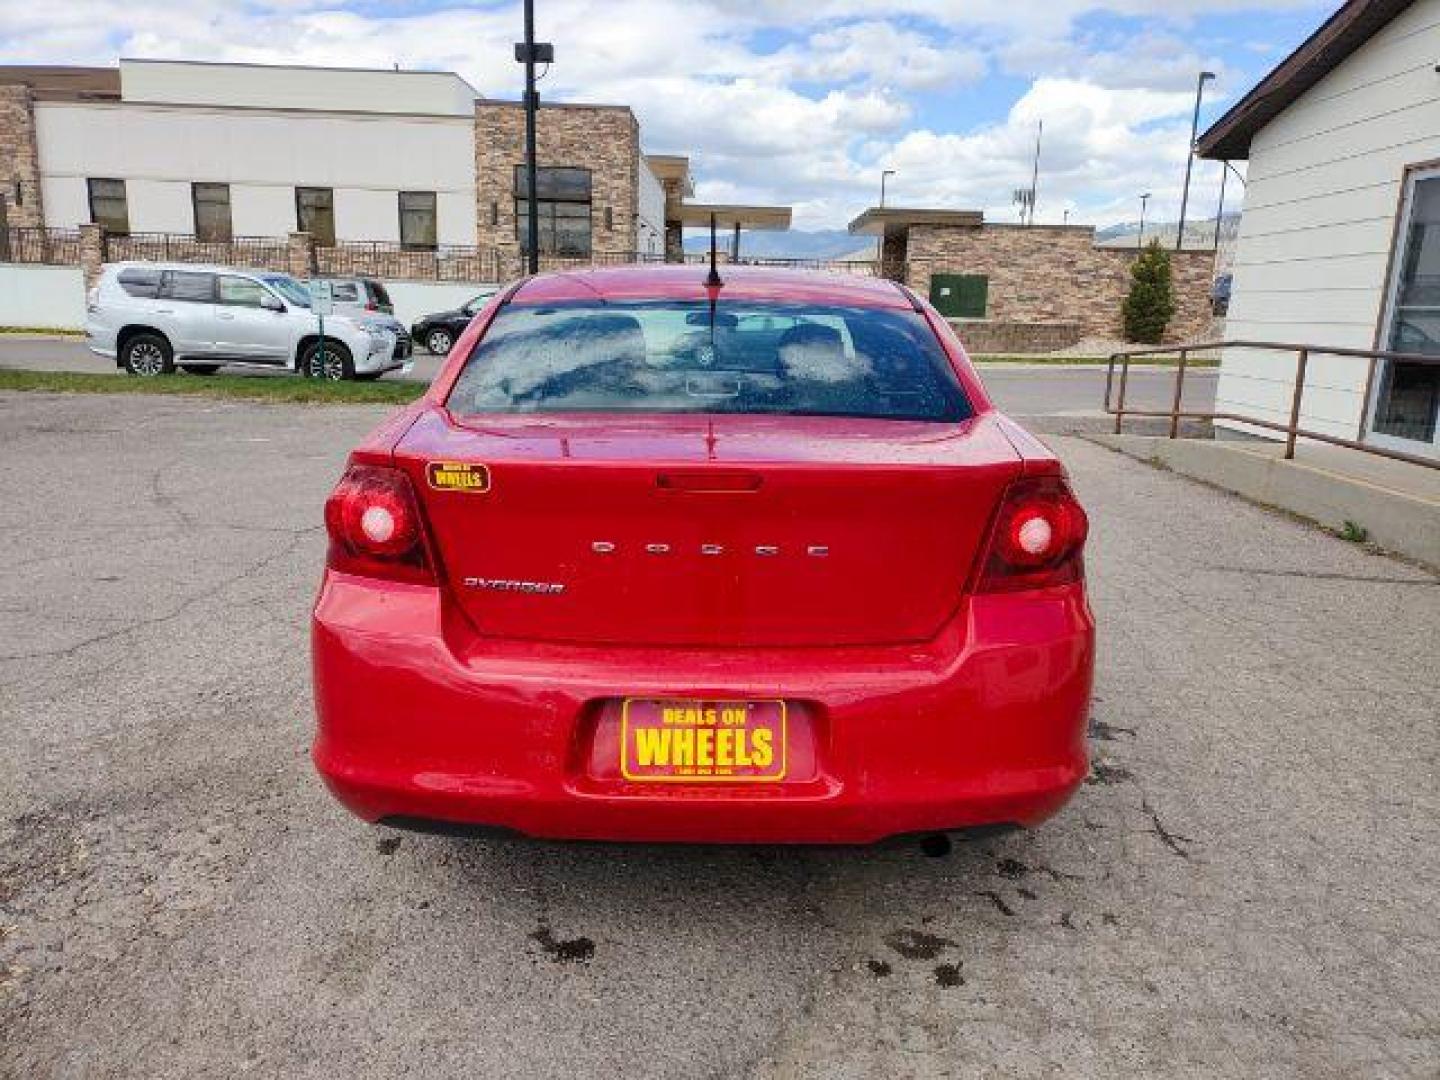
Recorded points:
(438, 332)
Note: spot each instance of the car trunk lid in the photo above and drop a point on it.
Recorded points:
(700, 531)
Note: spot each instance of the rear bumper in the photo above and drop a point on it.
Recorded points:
(419, 718)
(100, 339)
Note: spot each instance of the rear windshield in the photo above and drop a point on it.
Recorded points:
(743, 357)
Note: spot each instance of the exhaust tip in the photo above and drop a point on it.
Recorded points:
(935, 846)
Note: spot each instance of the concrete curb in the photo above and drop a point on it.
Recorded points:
(1405, 522)
(1057, 366)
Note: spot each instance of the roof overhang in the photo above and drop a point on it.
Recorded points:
(883, 220)
(698, 215)
(52, 82)
(1228, 139)
(674, 168)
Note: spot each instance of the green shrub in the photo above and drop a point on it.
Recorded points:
(1151, 301)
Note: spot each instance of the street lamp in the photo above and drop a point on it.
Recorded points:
(1205, 76)
(1144, 200)
(883, 175)
(531, 52)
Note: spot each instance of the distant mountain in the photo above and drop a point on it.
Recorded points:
(1198, 234)
(792, 244)
(839, 244)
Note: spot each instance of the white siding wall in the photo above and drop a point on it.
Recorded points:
(279, 87)
(160, 150)
(1322, 190)
(413, 299)
(53, 297)
(650, 213)
(48, 297)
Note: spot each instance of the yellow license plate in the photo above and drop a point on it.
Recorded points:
(689, 741)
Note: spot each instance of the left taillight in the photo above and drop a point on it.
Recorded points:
(1038, 539)
(375, 526)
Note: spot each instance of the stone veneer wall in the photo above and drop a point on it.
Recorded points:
(1004, 338)
(19, 158)
(603, 138)
(1056, 274)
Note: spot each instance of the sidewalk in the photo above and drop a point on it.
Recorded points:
(1397, 504)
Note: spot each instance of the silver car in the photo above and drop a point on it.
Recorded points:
(153, 317)
(359, 294)
(367, 299)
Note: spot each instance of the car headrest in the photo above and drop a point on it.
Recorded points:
(618, 337)
(812, 336)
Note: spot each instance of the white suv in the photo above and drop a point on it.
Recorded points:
(151, 317)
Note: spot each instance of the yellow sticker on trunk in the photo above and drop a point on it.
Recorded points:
(458, 476)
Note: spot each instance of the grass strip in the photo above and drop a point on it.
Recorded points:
(240, 387)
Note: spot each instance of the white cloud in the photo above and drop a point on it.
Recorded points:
(809, 120)
(879, 53)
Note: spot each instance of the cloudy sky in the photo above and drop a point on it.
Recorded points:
(801, 102)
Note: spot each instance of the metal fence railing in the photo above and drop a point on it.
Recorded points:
(38, 244)
(371, 258)
(1292, 429)
(257, 252)
(452, 262)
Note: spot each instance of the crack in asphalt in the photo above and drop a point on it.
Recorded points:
(167, 502)
(1325, 575)
(1169, 839)
(156, 620)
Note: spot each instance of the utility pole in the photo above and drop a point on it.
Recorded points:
(530, 53)
(1144, 201)
(883, 175)
(1035, 170)
(1205, 76)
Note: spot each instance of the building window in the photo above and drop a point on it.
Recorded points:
(107, 206)
(212, 211)
(563, 206)
(417, 220)
(315, 214)
(1407, 404)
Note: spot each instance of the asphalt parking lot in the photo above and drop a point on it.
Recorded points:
(1246, 886)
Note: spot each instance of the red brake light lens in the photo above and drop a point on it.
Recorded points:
(375, 526)
(1038, 538)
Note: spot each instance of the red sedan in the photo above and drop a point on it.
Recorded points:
(657, 560)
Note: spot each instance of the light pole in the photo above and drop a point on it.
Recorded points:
(1205, 76)
(1220, 207)
(530, 52)
(1035, 170)
(883, 175)
(1144, 200)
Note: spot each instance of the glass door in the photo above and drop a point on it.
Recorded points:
(1405, 401)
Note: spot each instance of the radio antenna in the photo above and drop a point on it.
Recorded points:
(713, 281)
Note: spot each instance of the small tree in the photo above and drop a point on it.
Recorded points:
(1151, 301)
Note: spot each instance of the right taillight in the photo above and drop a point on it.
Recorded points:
(1038, 537)
(375, 526)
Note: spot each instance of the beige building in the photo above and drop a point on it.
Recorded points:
(404, 160)
(1025, 288)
